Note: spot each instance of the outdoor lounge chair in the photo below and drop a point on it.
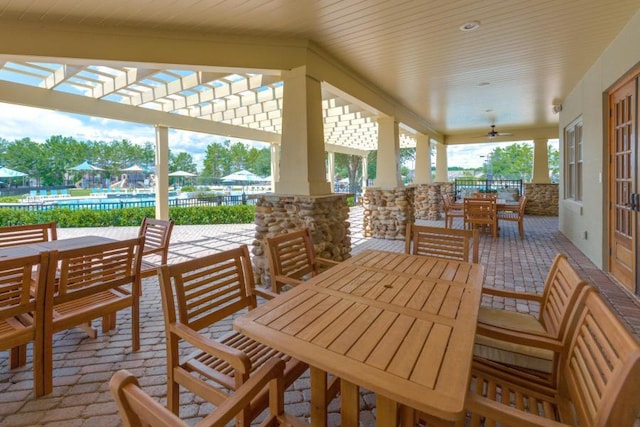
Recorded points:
(137, 408)
(22, 311)
(460, 245)
(292, 258)
(196, 295)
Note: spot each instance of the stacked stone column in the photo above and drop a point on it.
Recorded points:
(387, 212)
(427, 202)
(325, 216)
(542, 199)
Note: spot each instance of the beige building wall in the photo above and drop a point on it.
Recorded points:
(588, 100)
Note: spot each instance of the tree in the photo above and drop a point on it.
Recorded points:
(554, 163)
(182, 162)
(514, 161)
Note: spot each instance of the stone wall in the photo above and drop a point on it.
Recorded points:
(326, 217)
(542, 199)
(428, 202)
(387, 212)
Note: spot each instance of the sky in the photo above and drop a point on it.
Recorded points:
(39, 124)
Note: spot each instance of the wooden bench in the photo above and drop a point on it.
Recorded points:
(598, 381)
(14, 235)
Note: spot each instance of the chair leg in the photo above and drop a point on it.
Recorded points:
(521, 229)
(18, 356)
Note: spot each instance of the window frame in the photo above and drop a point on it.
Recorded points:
(573, 160)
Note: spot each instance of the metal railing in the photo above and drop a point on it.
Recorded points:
(487, 185)
(110, 204)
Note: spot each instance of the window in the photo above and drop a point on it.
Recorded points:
(573, 160)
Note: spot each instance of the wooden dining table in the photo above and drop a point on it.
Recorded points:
(51, 245)
(400, 325)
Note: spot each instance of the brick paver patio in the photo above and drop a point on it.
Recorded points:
(82, 366)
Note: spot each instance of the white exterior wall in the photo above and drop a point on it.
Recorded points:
(588, 100)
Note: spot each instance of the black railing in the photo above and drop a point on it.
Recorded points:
(110, 204)
(487, 185)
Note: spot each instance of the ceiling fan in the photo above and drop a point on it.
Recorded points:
(493, 133)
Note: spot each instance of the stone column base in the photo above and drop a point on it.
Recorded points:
(387, 212)
(542, 199)
(326, 217)
(427, 202)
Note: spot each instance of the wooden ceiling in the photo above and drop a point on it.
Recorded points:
(525, 56)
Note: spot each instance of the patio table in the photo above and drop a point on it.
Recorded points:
(400, 325)
(62, 244)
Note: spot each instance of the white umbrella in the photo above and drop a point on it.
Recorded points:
(242, 176)
(183, 173)
(134, 168)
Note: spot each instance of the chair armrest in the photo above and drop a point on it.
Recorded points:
(287, 280)
(511, 294)
(504, 414)
(522, 338)
(236, 358)
(241, 398)
(326, 262)
(264, 293)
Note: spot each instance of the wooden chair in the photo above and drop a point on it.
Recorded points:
(481, 212)
(21, 312)
(509, 337)
(137, 408)
(598, 382)
(292, 258)
(13, 235)
(442, 242)
(157, 234)
(90, 283)
(196, 294)
(516, 214)
(450, 211)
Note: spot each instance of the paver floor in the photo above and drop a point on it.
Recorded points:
(83, 366)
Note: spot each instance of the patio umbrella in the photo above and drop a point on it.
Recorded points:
(136, 169)
(182, 175)
(11, 174)
(242, 176)
(86, 167)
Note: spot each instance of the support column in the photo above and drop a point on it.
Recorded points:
(423, 160)
(365, 172)
(331, 165)
(441, 163)
(275, 167)
(388, 166)
(302, 145)
(162, 172)
(540, 174)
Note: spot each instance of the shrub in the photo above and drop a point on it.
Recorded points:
(65, 217)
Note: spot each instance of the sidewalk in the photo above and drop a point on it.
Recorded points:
(82, 366)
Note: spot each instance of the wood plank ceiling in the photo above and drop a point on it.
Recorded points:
(525, 56)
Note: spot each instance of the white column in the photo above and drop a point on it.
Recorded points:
(540, 173)
(331, 160)
(302, 168)
(423, 160)
(162, 172)
(365, 172)
(275, 166)
(388, 165)
(441, 163)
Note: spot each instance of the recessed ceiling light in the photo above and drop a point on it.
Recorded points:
(470, 26)
(484, 84)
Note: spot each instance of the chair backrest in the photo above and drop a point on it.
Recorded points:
(600, 367)
(137, 408)
(157, 234)
(522, 203)
(16, 298)
(13, 235)
(480, 210)
(207, 289)
(446, 201)
(291, 254)
(459, 245)
(87, 271)
(561, 290)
